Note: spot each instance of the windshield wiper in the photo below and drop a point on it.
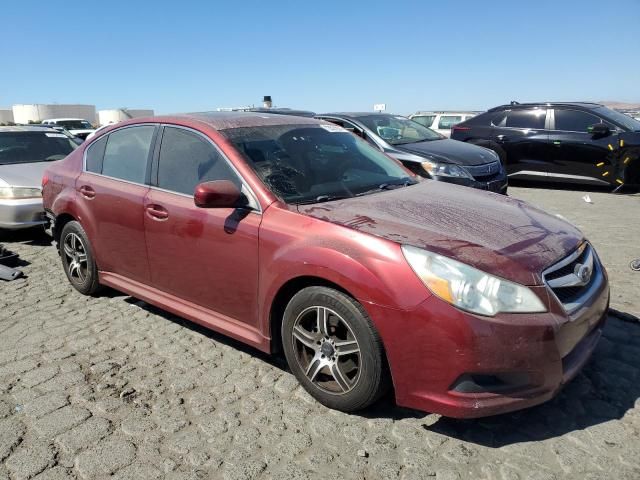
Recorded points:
(388, 186)
(322, 199)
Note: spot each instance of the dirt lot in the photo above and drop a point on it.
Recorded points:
(91, 387)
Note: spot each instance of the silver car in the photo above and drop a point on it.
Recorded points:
(25, 153)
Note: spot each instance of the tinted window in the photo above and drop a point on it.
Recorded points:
(426, 120)
(525, 119)
(574, 120)
(398, 130)
(126, 154)
(187, 159)
(28, 147)
(95, 153)
(448, 121)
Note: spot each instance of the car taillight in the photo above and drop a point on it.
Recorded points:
(460, 129)
(45, 180)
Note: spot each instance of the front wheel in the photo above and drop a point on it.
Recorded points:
(333, 349)
(77, 259)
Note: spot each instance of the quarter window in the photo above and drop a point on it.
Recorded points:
(574, 120)
(187, 159)
(526, 119)
(127, 152)
(95, 154)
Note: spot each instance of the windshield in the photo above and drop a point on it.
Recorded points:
(627, 122)
(398, 130)
(314, 163)
(75, 124)
(28, 147)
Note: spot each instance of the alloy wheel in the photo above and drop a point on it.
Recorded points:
(76, 256)
(326, 349)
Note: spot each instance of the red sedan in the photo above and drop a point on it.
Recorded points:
(293, 235)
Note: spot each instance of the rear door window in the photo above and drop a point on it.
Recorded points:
(534, 119)
(574, 120)
(127, 152)
(187, 159)
(448, 121)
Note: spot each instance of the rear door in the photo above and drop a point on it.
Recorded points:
(111, 190)
(205, 256)
(575, 153)
(523, 136)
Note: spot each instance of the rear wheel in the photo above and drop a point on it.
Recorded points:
(77, 259)
(333, 349)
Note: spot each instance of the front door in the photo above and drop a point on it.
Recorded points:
(111, 190)
(205, 256)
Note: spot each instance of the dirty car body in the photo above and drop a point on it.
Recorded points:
(311, 219)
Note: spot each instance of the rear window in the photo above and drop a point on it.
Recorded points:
(29, 147)
(448, 121)
(426, 120)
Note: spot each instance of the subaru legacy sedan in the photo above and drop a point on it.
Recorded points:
(293, 235)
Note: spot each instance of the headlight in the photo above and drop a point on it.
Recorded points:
(444, 169)
(469, 288)
(19, 192)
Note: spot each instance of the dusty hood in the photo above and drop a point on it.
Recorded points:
(497, 234)
(450, 151)
(22, 174)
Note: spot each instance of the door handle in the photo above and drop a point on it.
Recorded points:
(87, 192)
(157, 212)
(557, 143)
(501, 138)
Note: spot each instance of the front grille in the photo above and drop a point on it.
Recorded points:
(484, 172)
(574, 278)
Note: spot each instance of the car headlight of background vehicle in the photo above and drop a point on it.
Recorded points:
(19, 192)
(436, 169)
(469, 288)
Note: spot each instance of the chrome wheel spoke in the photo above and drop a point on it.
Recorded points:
(340, 377)
(315, 365)
(323, 320)
(82, 257)
(305, 337)
(68, 251)
(346, 347)
(80, 273)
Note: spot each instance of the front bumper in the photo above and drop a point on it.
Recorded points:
(21, 213)
(457, 364)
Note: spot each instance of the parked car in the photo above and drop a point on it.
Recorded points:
(25, 152)
(441, 122)
(288, 233)
(424, 151)
(566, 142)
(77, 126)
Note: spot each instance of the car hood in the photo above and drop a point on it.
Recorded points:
(22, 174)
(450, 151)
(497, 234)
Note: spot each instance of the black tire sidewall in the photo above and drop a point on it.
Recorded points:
(371, 380)
(90, 284)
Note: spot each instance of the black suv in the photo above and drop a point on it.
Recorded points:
(569, 142)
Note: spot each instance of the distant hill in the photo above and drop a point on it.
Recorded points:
(620, 105)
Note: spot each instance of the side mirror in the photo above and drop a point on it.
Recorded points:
(599, 130)
(217, 194)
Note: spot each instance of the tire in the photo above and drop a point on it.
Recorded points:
(342, 365)
(78, 261)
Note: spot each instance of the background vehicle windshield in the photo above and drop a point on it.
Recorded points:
(75, 124)
(398, 130)
(28, 147)
(626, 121)
(307, 163)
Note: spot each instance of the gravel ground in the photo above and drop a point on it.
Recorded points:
(95, 387)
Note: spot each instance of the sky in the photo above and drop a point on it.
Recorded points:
(182, 56)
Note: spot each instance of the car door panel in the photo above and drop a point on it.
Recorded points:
(205, 256)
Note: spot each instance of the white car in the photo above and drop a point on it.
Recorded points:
(76, 126)
(441, 122)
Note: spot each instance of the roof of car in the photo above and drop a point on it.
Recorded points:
(63, 119)
(25, 128)
(514, 105)
(354, 114)
(225, 120)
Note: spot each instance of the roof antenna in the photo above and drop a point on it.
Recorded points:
(513, 102)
